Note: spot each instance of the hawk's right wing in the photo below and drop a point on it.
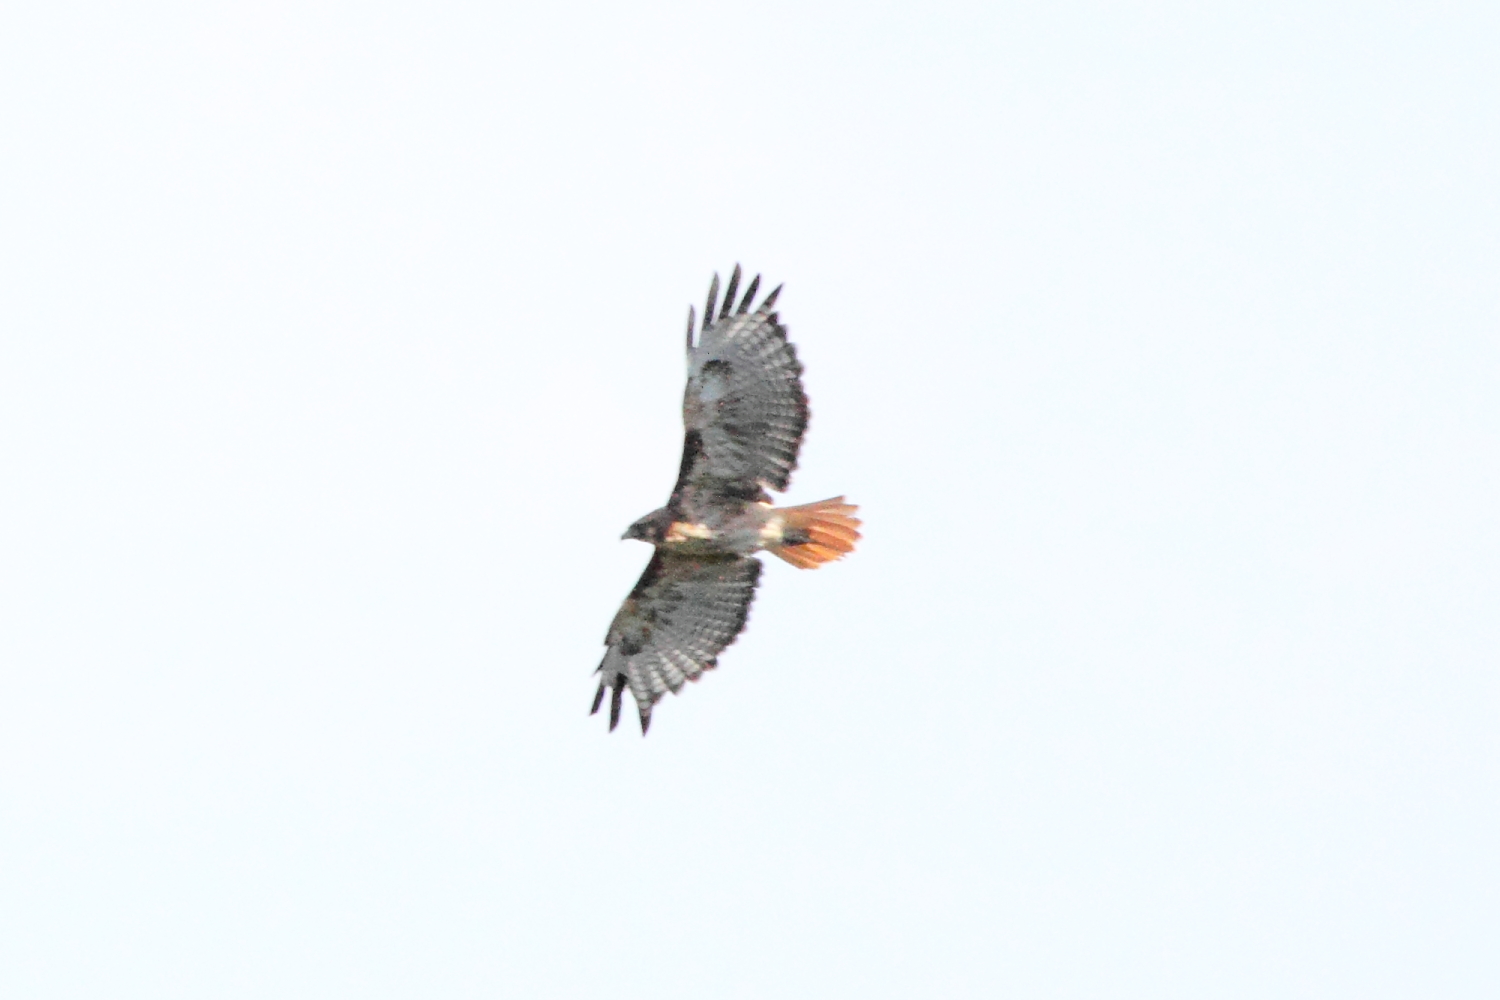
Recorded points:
(682, 613)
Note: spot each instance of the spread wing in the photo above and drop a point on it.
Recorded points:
(744, 408)
(682, 613)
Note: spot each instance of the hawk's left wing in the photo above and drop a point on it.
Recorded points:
(744, 410)
(682, 613)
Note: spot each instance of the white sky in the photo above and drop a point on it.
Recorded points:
(1159, 346)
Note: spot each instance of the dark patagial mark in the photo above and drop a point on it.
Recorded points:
(692, 447)
(649, 575)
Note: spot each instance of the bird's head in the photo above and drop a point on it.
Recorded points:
(652, 528)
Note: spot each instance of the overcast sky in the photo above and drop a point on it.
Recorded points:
(1159, 344)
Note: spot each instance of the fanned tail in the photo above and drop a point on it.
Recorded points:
(815, 533)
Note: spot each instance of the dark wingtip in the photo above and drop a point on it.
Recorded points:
(645, 719)
(749, 294)
(734, 284)
(771, 299)
(614, 703)
(691, 320)
(598, 699)
(713, 298)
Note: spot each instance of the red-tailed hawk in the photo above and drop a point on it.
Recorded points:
(745, 413)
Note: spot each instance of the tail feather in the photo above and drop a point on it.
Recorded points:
(816, 533)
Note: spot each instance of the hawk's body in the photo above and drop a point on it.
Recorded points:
(745, 413)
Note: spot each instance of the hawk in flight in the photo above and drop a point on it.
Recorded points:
(745, 414)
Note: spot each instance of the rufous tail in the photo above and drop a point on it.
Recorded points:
(816, 533)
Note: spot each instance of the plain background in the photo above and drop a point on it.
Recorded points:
(1158, 343)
